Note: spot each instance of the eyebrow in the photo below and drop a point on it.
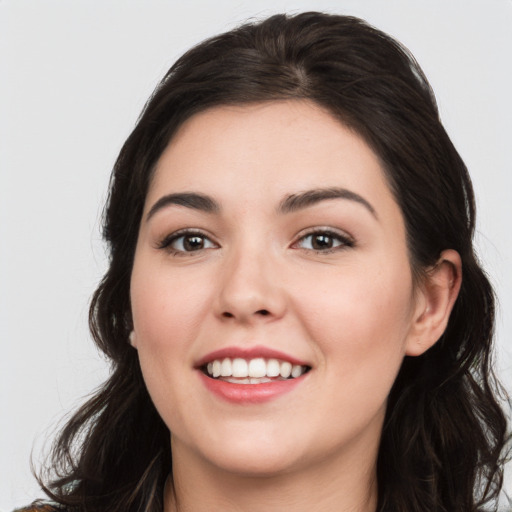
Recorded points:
(191, 200)
(308, 198)
(289, 204)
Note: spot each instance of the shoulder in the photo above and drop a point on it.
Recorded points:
(39, 508)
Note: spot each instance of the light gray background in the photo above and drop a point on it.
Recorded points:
(73, 77)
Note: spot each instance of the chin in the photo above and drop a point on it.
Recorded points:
(253, 454)
(257, 463)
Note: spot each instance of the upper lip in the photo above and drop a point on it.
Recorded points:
(248, 353)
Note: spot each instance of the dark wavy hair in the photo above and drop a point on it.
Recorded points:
(445, 433)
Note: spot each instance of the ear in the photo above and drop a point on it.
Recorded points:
(132, 339)
(434, 303)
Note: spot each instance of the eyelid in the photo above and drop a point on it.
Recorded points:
(165, 242)
(346, 239)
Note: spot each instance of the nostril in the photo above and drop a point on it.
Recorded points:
(260, 312)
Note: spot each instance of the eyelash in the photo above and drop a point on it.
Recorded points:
(344, 240)
(166, 243)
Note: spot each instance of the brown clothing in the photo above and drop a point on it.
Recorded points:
(39, 508)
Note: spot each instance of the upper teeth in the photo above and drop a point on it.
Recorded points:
(255, 368)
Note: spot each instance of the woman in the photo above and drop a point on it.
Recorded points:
(293, 309)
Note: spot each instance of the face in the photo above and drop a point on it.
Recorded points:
(270, 239)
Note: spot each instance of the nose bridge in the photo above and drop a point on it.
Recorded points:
(250, 287)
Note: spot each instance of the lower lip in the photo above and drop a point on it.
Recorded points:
(250, 393)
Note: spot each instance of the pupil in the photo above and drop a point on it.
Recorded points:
(322, 242)
(193, 243)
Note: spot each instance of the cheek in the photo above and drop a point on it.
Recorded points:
(167, 308)
(361, 320)
(166, 315)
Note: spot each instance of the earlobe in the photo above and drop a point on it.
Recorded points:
(132, 340)
(438, 294)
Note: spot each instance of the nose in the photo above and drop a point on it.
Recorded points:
(250, 290)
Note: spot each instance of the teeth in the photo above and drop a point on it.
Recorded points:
(273, 368)
(257, 368)
(253, 371)
(247, 380)
(240, 368)
(285, 369)
(226, 368)
(296, 371)
(215, 369)
(260, 381)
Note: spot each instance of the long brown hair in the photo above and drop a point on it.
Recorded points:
(444, 434)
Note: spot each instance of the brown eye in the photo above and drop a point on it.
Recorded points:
(193, 243)
(320, 242)
(324, 241)
(186, 242)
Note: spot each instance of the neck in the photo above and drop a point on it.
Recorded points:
(331, 485)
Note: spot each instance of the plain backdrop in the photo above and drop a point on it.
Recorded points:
(74, 76)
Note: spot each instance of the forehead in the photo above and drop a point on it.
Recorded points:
(264, 151)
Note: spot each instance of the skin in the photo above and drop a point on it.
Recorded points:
(352, 312)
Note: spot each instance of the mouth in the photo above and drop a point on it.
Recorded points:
(258, 370)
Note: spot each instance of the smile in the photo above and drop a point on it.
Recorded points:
(253, 371)
(251, 375)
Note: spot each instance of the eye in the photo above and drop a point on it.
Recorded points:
(183, 242)
(324, 241)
